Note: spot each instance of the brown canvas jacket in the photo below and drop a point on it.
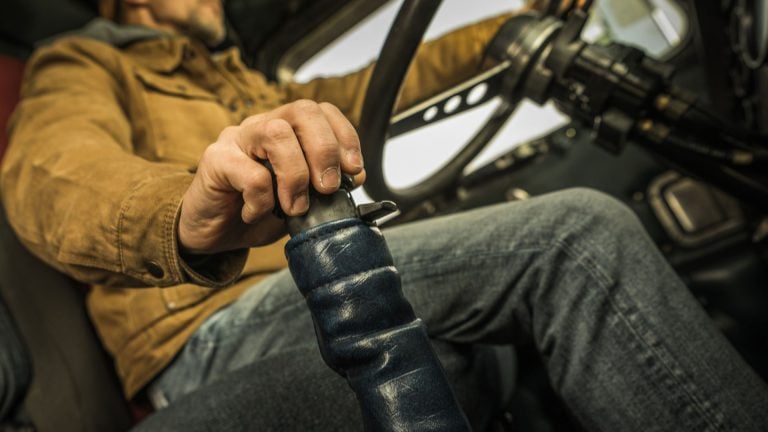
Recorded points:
(106, 141)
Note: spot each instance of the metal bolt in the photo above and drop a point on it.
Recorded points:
(462, 193)
(525, 150)
(662, 102)
(517, 194)
(504, 162)
(646, 125)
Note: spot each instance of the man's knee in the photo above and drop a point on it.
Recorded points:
(597, 213)
(577, 215)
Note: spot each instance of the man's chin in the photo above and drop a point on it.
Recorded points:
(210, 36)
(216, 40)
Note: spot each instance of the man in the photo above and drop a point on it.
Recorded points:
(111, 177)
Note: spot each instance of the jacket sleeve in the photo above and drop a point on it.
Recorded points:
(74, 191)
(438, 65)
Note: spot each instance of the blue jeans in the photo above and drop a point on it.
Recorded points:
(625, 344)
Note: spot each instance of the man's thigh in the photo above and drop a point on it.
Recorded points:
(261, 352)
(440, 278)
(270, 318)
(447, 270)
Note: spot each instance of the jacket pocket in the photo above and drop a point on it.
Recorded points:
(182, 118)
(172, 85)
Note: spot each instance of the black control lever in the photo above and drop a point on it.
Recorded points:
(336, 206)
(366, 329)
(628, 97)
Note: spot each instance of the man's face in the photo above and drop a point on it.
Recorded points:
(203, 19)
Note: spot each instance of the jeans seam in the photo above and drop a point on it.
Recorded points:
(657, 350)
(482, 255)
(670, 367)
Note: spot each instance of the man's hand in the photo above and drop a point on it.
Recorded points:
(230, 201)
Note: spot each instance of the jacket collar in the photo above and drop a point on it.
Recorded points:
(152, 48)
(110, 33)
(163, 54)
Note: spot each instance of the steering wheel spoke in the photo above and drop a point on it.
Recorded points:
(461, 98)
(377, 123)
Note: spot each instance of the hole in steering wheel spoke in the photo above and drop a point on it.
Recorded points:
(477, 94)
(430, 114)
(452, 104)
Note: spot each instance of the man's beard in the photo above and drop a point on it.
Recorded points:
(209, 32)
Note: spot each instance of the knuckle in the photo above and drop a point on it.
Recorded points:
(278, 129)
(226, 142)
(328, 148)
(259, 182)
(213, 152)
(252, 120)
(261, 203)
(298, 178)
(330, 107)
(349, 136)
(258, 196)
(322, 153)
(228, 134)
(305, 105)
(253, 211)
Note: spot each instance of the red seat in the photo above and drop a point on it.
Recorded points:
(10, 82)
(74, 387)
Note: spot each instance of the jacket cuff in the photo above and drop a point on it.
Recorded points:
(148, 239)
(216, 270)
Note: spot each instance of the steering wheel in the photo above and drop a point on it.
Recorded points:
(377, 124)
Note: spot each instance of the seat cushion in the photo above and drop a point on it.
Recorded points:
(10, 82)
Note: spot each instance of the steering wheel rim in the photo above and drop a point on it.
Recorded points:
(404, 37)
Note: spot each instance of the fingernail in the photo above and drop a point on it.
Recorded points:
(300, 204)
(354, 158)
(331, 178)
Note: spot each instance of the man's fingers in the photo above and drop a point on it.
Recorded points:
(359, 178)
(274, 140)
(287, 159)
(305, 142)
(258, 196)
(346, 135)
(319, 143)
(237, 171)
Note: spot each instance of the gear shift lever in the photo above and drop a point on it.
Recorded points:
(366, 329)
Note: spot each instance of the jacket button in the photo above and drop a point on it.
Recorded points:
(155, 270)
